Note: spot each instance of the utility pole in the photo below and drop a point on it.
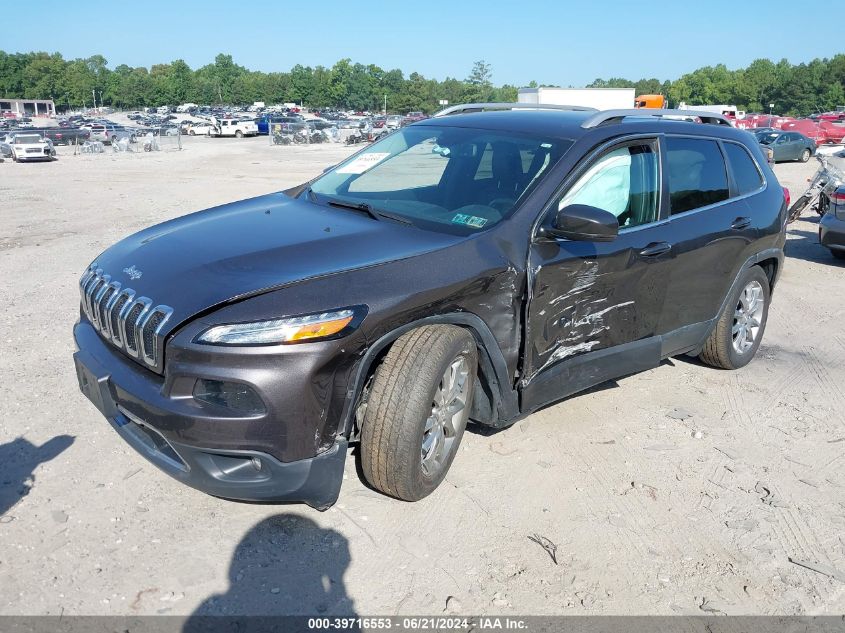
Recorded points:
(385, 105)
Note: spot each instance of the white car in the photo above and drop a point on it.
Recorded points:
(25, 147)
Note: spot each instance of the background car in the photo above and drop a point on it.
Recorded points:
(786, 145)
(832, 225)
(202, 128)
(264, 122)
(28, 146)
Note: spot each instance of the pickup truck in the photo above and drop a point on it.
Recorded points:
(64, 135)
(233, 127)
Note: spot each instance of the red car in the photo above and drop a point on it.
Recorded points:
(821, 132)
(413, 117)
(831, 117)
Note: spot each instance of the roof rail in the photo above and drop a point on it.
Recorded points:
(616, 116)
(466, 108)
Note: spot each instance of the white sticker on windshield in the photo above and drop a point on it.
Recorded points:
(363, 163)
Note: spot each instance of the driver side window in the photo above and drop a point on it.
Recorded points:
(624, 182)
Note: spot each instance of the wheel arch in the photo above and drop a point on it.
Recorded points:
(499, 404)
(771, 266)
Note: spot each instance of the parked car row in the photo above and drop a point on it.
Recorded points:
(821, 130)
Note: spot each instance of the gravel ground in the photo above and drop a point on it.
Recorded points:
(680, 490)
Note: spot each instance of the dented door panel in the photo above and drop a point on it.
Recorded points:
(587, 296)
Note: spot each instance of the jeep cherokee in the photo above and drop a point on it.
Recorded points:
(476, 266)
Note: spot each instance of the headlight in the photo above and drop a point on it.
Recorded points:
(310, 327)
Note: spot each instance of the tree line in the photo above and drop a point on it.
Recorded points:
(76, 83)
(793, 89)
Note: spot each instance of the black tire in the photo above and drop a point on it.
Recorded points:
(238, 134)
(837, 254)
(797, 208)
(400, 402)
(805, 155)
(191, 133)
(719, 350)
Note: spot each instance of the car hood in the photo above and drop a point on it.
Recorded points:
(206, 259)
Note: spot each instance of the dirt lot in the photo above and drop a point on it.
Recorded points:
(681, 490)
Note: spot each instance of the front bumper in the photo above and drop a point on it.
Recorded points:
(832, 232)
(46, 155)
(238, 468)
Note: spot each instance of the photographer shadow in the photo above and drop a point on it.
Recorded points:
(286, 565)
(18, 461)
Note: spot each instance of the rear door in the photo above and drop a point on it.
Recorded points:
(592, 296)
(712, 227)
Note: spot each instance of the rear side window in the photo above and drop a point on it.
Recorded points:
(697, 176)
(746, 174)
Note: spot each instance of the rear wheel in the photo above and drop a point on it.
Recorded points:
(805, 156)
(417, 410)
(739, 330)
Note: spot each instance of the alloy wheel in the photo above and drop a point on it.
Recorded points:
(748, 317)
(448, 415)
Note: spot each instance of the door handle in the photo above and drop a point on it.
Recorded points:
(741, 223)
(656, 248)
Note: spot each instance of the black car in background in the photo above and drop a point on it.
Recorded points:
(474, 266)
(786, 145)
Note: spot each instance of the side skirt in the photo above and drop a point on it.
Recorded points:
(593, 368)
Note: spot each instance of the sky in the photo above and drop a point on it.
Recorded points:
(558, 43)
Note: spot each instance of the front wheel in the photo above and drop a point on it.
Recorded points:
(805, 156)
(837, 254)
(798, 207)
(239, 134)
(739, 330)
(417, 410)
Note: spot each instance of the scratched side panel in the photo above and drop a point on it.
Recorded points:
(589, 296)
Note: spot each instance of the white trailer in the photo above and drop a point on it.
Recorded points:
(599, 98)
(727, 110)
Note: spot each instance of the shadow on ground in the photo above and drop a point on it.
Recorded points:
(18, 461)
(807, 245)
(284, 565)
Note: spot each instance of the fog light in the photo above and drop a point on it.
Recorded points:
(232, 395)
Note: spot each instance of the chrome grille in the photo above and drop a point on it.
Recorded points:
(128, 322)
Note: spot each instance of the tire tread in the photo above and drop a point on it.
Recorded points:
(399, 389)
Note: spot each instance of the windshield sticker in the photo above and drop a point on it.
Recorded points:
(469, 220)
(363, 163)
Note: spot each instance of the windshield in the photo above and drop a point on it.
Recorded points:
(27, 140)
(766, 138)
(456, 180)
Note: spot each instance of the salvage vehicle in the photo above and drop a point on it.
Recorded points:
(786, 145)
(822, 191)
(472, 266)
(26, 146)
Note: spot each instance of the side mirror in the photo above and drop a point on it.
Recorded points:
(584, 223)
